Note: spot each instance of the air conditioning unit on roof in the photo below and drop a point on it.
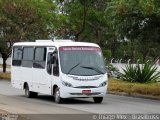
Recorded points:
(63, 40)
(44, 41)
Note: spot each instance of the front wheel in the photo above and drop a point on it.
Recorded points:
(57, 97)
(98, 99)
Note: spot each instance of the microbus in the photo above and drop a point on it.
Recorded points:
(62, 68)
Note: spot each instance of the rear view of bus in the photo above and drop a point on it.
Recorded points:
(83, 72)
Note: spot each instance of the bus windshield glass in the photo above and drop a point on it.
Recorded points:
(81, 60)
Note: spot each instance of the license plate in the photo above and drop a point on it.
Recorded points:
(86, 91)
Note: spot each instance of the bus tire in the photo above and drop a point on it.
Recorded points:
(34, 94)
(57, 97)
(98, 99)
(30, 94)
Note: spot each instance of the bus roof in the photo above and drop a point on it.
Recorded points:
(56, 43)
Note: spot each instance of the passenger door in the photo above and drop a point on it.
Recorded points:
(40, 79)
(52, 69)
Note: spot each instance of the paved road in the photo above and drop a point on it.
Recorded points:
(13, 100)
(112, 103)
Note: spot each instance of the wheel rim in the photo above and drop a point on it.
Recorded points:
(57, 96)
(27, 92)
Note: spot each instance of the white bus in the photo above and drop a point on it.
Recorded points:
(62, 68)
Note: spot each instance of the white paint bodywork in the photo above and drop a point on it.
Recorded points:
(42, 82)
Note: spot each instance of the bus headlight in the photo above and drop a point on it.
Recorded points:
(67, 84)
(103, 84)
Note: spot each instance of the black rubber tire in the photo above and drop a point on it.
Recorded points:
(30, 94)
(57, 97)
(34, 94)
(98, 99)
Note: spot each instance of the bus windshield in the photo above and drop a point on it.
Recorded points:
(81, 61)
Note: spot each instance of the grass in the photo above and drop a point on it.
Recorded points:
(152, 89)
(6, 76)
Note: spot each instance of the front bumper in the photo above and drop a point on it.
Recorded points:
(68, 92)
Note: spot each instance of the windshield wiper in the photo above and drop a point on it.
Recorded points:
(73, 68)
(93, 68)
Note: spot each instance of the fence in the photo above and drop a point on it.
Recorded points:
(120, 66)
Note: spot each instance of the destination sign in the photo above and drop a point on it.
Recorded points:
(79, 48)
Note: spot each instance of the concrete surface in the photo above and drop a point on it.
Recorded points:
(13, 100)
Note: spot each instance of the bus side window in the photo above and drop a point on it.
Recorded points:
(17, 56)
(40, 57)
(49, 65)
(56, 65)
(28, 53)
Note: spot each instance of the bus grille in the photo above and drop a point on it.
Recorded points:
(96, 93)
(86, 87)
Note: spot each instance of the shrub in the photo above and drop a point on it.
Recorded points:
(113, 71)
(140, 73)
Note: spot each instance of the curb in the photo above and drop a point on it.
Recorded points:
(5, 115)
(134, 95)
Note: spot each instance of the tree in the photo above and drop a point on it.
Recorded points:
(84, 19)
(23, 21)
(138, 22)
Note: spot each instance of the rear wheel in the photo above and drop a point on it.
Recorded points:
(30, 94)
(98, 99)
(57, 97)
